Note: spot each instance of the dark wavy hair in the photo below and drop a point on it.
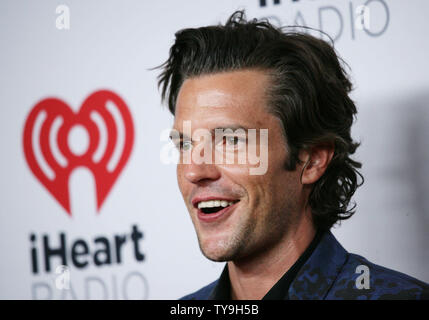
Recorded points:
(308, 93)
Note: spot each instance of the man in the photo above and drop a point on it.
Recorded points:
(272, 225)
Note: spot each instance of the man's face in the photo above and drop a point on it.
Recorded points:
(260, 209)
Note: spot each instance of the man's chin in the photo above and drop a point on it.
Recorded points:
(217, 251)
(216, 258)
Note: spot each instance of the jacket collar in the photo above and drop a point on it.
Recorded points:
(318, 274)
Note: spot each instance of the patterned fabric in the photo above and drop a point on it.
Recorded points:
(332, 273)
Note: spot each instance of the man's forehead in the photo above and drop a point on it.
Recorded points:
(222, 100)
(209, 98)
(222, 90)
(216, 98)
(215, 123)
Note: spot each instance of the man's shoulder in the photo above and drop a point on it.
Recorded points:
(362, 279)
(201, 294)
(333, 273)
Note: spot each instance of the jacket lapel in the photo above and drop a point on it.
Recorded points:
(320, 271)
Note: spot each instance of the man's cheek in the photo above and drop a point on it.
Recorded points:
(240, 175)
(235, 171)
(181, 180)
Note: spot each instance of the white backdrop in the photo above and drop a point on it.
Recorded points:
(111, 45)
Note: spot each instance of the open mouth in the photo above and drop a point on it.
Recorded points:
(214, 206)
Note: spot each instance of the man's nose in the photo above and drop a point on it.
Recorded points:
(196, 173)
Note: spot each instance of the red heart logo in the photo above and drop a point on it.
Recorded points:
(107, 123)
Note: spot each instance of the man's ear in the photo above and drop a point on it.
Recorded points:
(316, 160)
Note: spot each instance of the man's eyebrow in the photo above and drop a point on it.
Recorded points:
(233, 127)
(174, 133)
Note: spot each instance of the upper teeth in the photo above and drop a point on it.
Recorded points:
(214, 203)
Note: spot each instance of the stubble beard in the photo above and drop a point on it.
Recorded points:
(232, 246)
(244, 241)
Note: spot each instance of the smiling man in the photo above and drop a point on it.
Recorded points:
(248, 86)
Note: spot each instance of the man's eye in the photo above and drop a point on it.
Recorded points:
(232, 140)
(185, 145)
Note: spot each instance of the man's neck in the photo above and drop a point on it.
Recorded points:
(252, 278)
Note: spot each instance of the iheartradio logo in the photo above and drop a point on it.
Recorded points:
(103, 122)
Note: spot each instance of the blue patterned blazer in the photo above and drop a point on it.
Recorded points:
(331, 273)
